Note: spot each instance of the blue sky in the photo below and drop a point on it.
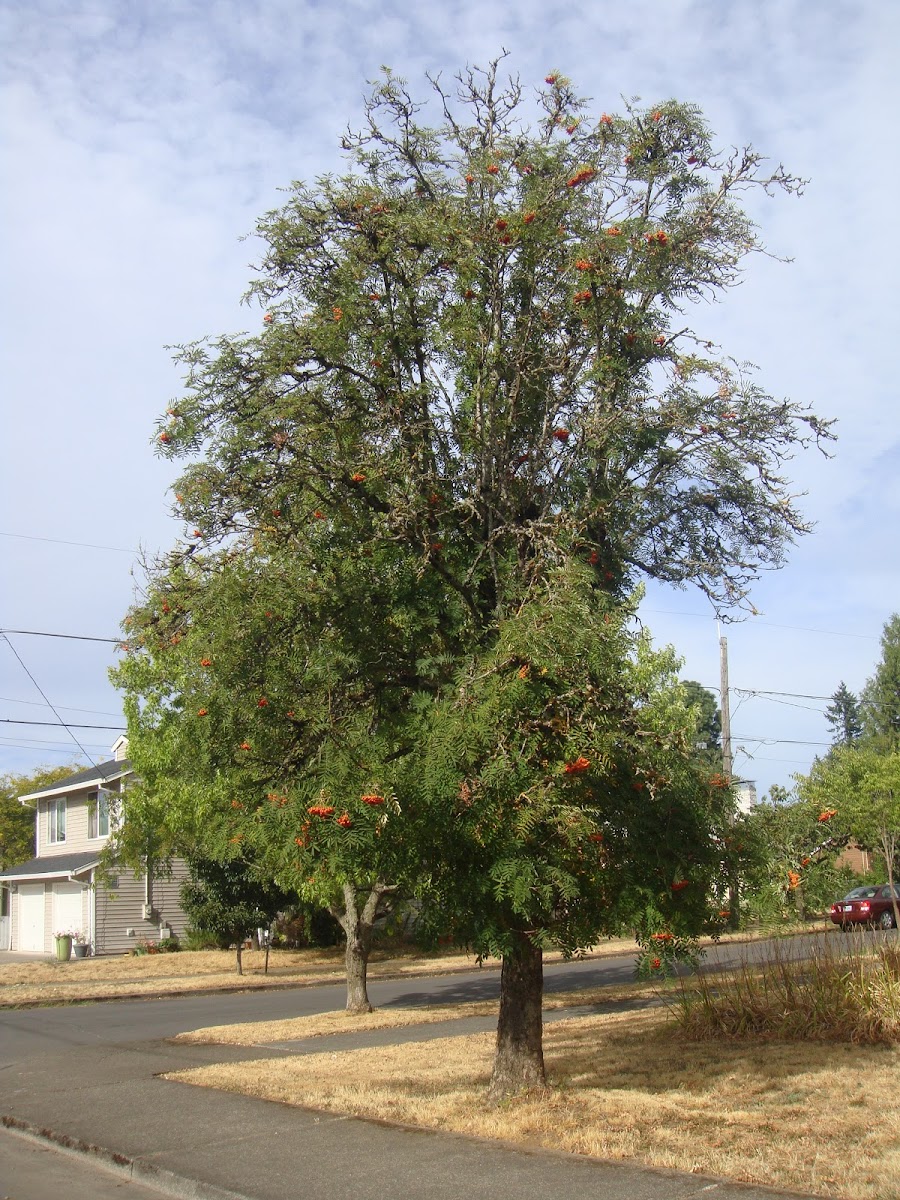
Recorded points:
(140, 141)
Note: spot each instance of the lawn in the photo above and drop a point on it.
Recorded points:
(781, 1073)
(810, 1116)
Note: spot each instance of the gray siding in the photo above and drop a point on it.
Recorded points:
(121, 908)
(76, 828)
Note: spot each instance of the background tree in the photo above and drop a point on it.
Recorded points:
(17, 820)
(709, 721)
(229, 900)
(791, 844)
(881, 695)
(475, 358)
(269, 704)
(844, 715)
(858, 789)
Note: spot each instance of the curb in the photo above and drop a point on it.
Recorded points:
(135, 1169)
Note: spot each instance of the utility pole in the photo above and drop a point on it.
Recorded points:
(725, 706)
(734, 889)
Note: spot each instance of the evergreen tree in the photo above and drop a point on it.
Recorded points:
(881, 695)
(844, 716)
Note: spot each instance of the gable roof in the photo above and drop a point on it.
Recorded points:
(101, 773)
(51, 866)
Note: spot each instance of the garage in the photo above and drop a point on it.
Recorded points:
(31, 917)
(67, 908)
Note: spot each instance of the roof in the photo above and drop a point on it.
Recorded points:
(101, 773)
(51, 866)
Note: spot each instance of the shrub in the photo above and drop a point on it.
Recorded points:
(849, 996)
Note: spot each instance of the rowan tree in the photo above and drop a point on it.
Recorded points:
(475, 367)
(565, 802)
(266, 707)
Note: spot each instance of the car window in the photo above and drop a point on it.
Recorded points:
(885, 893)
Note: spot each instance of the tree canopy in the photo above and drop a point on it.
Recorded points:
(881, 695)
(844, 716)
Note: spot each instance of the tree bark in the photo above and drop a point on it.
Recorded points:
(240, 964)
(358, 925)
(519, 1056)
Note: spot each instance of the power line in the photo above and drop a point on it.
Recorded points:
(74, 637)
(671, 612)
(13, 721)
(64, 707)
(49, 705)
(27, 537)
(773, 741)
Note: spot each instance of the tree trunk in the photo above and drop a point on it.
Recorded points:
(356, 959)
(519, 1057)
(889, 849)
(358, 925)
(240, 965)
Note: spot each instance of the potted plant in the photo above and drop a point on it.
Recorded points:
(81, 945)
(64, 938)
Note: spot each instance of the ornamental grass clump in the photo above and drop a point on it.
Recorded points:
(849, 996)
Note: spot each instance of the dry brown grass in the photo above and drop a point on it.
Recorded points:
(810, 1116)
(44, 981)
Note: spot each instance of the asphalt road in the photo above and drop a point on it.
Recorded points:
(34, 1031)
(93, 1074)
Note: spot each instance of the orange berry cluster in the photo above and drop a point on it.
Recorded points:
(581, 176)
(580, 765)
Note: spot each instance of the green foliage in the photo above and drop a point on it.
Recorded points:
(881, 695)
(228, 900)
(473, 348)
(844, 715)
(473, 418)
(17, 820)
(792, 844)
(559, 788)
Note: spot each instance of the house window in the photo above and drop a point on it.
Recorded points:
(56, 813)
(98, 815)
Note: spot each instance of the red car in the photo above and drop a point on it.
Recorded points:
(866, 906)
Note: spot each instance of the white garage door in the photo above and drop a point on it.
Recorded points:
(31, 917)
(67, 907)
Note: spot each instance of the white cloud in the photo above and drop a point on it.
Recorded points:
(144, 140)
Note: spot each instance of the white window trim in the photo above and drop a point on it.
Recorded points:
(95, 799)
(55, 827)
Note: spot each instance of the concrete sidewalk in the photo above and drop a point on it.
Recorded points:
(109, 1102)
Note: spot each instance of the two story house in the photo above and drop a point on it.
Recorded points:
(62, 888)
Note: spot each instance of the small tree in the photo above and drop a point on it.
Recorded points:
(229, 900)
(858, 788)
(270, 702)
